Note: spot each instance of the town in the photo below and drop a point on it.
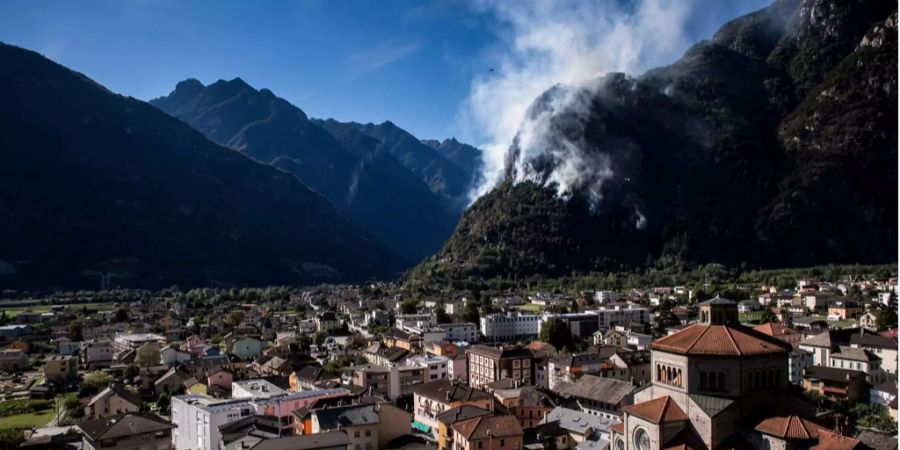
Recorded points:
(807, 364)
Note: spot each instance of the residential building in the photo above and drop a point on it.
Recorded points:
(253, 438)
(133, 341)
(836, 384)
(143, 431)
(113, 401)
(844, 309)
(527, 403)
(197, 417)
(368, 427)
(448, 418)
(488, 433)
(60, 368)
(489, 364)
(460, 332)
(570, 429)
(12, 360)
(68, 347)
(435, 397)
(326, 322)
(245, 347)
(597, 396)
(883, 346)
(858, 359)
(437, 367)
(510, 326)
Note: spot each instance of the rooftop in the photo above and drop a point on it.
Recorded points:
(724, 340)
(658, 410)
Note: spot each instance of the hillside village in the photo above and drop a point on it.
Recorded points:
(367, 368)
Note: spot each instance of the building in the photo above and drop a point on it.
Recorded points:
(12, 360)
(406, 340)
(794, 432)
(115, 400)
(489, 364)
(858, 359)
(488, 433)
(510, 326)
(197, 417)
(14, 331)
(448, 418)
(433, 398)
(569, 429)
(597, 396)
(60, 368)
(326, 322)
(97, 354)
(254, 439)
(844, 309)
(580, 324)
(245, 347)
(437, 367)
(411, 322)
(708, 380)
(143, 431)
(368, 427)
(883, 346)
(68, 347)
(133, 341)
(460, 332)
(569, 367)
(836, 384)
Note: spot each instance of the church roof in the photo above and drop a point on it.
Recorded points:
(686, 439)
(658, 410)
(790, 427)
(725, 340)
(718, 301)
(833, 441)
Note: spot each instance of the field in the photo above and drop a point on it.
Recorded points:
(30, 420)
(39, 308)
(531, 308)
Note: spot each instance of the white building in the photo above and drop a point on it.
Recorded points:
(197, 417)
(97, 354)
(133, 341)
(605, 296)
(510, 326)
(456, 332)
(410, 322)
(438, 367)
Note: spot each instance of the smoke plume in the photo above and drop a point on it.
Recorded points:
(567, 44)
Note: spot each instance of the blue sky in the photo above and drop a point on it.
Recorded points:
(411, 62)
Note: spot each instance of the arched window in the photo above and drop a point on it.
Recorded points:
(678, 379)
(722, 381)
(712, 381)
(703, 385)
(658, 372)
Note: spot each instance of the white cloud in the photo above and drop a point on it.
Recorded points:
(382, 55)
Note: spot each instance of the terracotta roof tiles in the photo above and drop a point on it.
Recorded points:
(725, 340)
(658, 410)
(790, 427)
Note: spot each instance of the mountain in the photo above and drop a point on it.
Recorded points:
(442, 176)
(360, 178)
(772, 144)
(463, 155)
(96, 186)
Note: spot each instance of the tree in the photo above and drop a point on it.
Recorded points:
(556, 332)
(4, 319)
(97, 380)
(871, 415)
(235, 318)
(440, 314)
(471, 313)
(163, 402)
(768, 316)
(121, 315)
(319, 339)
(131, 371)
(409, 306)
(886, 318)
(147, 356)
(75, 330)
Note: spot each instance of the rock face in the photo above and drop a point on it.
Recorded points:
(390, 199)
(772, 144)
(99, 189)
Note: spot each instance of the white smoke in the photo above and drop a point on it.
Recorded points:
(571, 43)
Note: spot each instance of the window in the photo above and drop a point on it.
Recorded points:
(502, 444)
(641, 439)
(356, 434)
(368, 433)
(480, 444)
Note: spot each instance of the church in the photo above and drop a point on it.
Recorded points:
(720, 385)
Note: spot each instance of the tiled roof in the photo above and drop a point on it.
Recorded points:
(831, 373)
(718, 301)
(344, 416)
(873, 340)
(303, 442)
(831, 441)
(723, 340)
(686, 439)
(461, 413)
(855, 354)
(774, 329)
(618, 428)
(446, 391)
(591, 387)
(658, 410)
(123, 425)
(493, 426)
(790, 427)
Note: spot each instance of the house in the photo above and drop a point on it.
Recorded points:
(97, 354)
(406, 340)
(12, 360)
(489, 364)
(597, 396)
(221, 379)
(748, 306)
(435, 397)
(883, 393)
(306, 378)
(868, 321)
(171, 355)
(14, 331)
(836, 384)
(383, 354)
(129, 431)
(326, 322)
(60, 368)
(527, 403)
(569, 367)
(843, 309)
(245, 347)
(68, 347)
(448, 418)
(488, 433)
(254, 439)
(368, 427)
(112, 401)
(883, 346)
(794, 432)
(171, 381)
(858, 359)
(570, 429)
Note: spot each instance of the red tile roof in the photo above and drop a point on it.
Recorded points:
(725, 340)
(832, 441)
(790, 427)
(489, 426)
(658, 410)
(618, 428)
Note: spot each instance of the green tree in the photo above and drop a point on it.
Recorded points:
(557, 333)
(75, 330)
(768, 316)
(319, 339)
(886, 319)
(97, 380)
(131, 371)
(440, 314)
(163, 402)
(471, 313)
(147, 356)
(409, 306)
(121, 315)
